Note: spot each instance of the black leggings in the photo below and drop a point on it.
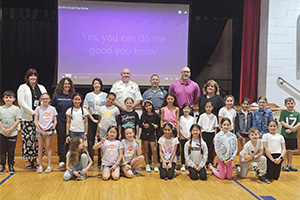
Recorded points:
(182, 143)
(273, 170)
(208, 138)
(167, 174)
(92, 129)
(195, 175)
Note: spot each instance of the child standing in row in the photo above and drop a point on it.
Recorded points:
(243, 122)
(78, 161)
(170, 112)
(209, 125)
(77, 119)
(262, 115)
(226, 148)
(167, 150)
(108, 115)
(45, 123)
(185, 123)
(10, 117)
(150, 126)
(290, 121)
(252, 152)
(196, 154)
(275, 150)
(112, 154)
(128, 118)
(132, 155)
(228, 112)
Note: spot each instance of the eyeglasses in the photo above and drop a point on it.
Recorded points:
(185, 72)
(43, 99)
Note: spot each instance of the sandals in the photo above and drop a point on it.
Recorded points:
(28, 164)
(34, 164)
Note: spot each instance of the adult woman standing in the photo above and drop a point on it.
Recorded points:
(28, 98)
(62, 101)
(211, 93)
(92, 102)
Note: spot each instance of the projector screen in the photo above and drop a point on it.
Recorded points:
(99, 39)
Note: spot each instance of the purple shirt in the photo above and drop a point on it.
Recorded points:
(110, 152)
(45, 116)
(185, 93)
(130, 149)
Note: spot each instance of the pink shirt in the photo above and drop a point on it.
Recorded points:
(185, 93)
(170, 116)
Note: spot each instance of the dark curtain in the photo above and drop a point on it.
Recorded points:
(206, 33)
(29, 37)
(250, 50)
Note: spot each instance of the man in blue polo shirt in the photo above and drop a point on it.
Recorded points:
(155, 93)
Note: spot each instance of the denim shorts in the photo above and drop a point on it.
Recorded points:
(39, 135)
(76, 134)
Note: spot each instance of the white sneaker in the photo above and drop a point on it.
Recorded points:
(182, 168)
(39, 169)
(148, 169)
(49, 169)
(62, 164)
(156, 168)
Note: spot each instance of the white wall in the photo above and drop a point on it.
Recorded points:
(281, 51)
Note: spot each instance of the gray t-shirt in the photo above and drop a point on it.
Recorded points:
(8, 116)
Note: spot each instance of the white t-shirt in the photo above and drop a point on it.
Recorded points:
(124, 90)
(108, 117)
(77, 119)
(223, 112)
(167, 146)
(274, 142)
(208, 123)
(185, 124)
(249, 147)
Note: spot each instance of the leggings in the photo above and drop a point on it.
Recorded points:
(273, 170)
(167, 174)
(195, 175)
(224, 173)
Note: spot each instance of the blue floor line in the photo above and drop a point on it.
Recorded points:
(246, 189)
(5, 179)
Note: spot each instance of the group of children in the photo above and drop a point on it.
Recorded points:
(122, 149)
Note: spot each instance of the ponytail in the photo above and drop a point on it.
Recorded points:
(190, 144)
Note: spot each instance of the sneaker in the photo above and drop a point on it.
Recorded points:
(293, 169)
(81, 178)
(135, 173)
(256, 169)
(39, 169)
(2, 169)
(49, 169)
(62, 164)
(182, 168)
(148, 169)
(11, 169)
(285, 168)
(156, 168)
(263, 179)
(238, 168)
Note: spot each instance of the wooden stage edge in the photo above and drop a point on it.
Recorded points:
(27, 184)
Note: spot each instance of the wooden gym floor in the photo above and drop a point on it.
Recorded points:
(27, 184)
